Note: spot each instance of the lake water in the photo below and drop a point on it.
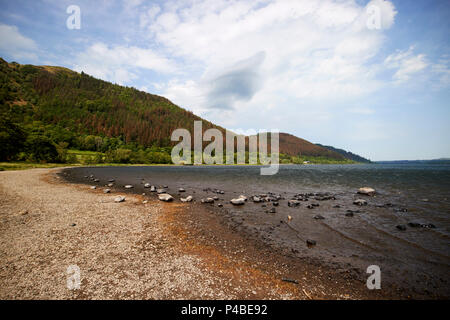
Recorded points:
(418, 257)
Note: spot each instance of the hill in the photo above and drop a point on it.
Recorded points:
(346, 154)
(60, 107)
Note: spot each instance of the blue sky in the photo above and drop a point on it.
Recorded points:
(370, 77)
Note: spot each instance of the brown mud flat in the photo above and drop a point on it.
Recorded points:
(248, 262)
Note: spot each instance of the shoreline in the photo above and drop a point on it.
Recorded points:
(222, 262)
(11, 166)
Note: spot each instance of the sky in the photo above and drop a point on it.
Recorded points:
(372, 77)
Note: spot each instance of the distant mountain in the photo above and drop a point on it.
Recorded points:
(432, 161)
(92, 114)
(346, 154)
(294, 146)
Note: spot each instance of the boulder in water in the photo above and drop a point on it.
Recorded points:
(366, 191)
(237, 201)
(360, 202)
(256, 199)
(242, 197)
(293, 203)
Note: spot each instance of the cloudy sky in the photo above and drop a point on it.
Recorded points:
(370, 77)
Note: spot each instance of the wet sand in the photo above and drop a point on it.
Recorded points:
(155, 250)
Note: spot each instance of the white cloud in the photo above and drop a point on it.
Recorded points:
(148, 16)
(442, 70)
(115, 63)
(16, 45)
(406, 63)
(314, 49)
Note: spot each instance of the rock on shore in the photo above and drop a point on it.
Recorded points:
(165, 197)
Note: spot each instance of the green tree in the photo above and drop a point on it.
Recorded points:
(12, 138)
(40, 148)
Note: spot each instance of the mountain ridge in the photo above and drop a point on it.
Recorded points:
(78, 106)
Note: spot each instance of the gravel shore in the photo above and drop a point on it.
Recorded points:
(121, 248)
(136, 250)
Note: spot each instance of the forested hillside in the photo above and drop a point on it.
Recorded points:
(346, 154)
(48, 112)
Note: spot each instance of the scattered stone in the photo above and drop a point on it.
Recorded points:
(160, 191)
(310, 242)
(401, 210)
(242, 197)
(93, 187)
(96, 180)
(272, 210)
(152, 189)
(106, 190)
(366, 191)
(310, 206)
(181, 190)
(289, 218)
(401, 227)
(337, 206)
(424, 200)
(290, 280)
(238, 201)
(414, 224)
(256, 199)
(318, 217)
(145, 202)
(421, 225)
(165, 197)
(220, 205)
(215, 198)
(207, 200)
(73, 224)
(293, 203)
(119, 199)
(360, 202)
(187, 199)
(111, 180)
(110, 185)
(349, 214)
(165, 187)
(147, 185)
(275, 203)
(128, 186)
